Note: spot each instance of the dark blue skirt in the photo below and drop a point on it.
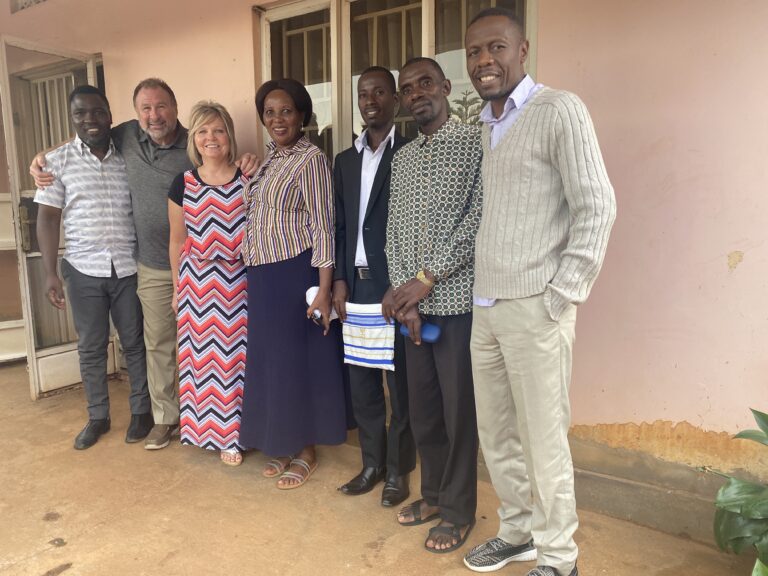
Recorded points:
(294, 392)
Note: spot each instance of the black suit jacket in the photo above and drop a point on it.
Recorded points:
(346, 180)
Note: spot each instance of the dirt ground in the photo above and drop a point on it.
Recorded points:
(117, 509)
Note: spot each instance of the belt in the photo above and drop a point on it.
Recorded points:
(364, 273)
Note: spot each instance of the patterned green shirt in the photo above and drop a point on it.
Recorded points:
(434, 213)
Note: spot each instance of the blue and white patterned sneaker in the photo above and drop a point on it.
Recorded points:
(496, 553)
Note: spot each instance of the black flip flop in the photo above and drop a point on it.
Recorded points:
(414, 508)
(453, 532)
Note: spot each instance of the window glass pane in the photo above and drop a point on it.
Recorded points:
(52, 326)
(10, 295)
(301, 49)
(451, 19)
(295, 58)
(412, 34)
(28, 210)
(448, 29)
(384, 33)
(362, 45)
(389, 40)
(316, 73)
(307, 20)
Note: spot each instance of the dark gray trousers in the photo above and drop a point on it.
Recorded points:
(395, 448)
(442, 401)
(93, 300)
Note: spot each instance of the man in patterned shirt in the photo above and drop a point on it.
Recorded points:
(90, 189)
(434, 215)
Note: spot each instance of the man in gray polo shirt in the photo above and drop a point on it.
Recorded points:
(90, 191)
(154, 148)
(155, 152)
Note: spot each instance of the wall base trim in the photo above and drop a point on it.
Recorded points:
(667, 496)
(634, 486)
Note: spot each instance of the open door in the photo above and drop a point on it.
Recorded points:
(34, 87)
(12, 336)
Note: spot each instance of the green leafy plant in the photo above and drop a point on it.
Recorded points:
(467, 108)
(741, 518)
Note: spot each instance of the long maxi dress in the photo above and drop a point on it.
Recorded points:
(212, 318)
(294, 391)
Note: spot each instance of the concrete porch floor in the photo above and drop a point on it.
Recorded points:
(117, 509)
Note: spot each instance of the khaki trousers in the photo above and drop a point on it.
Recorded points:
(521, 363)
(156, 292)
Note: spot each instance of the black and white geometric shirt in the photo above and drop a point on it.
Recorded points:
(435, 206)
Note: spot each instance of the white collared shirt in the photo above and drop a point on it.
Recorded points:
(370, 165)
(93, 195)
(512, 107)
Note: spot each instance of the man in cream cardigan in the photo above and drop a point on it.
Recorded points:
(548, 208)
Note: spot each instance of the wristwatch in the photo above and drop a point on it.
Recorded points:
(421, 276)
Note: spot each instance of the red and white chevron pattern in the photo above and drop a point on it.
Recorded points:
(212, 315)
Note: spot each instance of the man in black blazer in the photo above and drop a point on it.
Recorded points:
(361, 180)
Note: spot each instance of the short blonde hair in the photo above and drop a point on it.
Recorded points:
(202, 113)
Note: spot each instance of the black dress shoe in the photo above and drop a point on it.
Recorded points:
(395, 490)
(139, 427)
(90, 434)
(363, 482)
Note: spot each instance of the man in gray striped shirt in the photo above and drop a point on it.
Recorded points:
(548, 208)
(90, 191)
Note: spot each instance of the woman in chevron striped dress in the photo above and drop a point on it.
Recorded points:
(207, 215)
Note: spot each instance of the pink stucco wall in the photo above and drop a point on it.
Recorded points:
(677, 325)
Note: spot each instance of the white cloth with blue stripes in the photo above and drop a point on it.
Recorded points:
(368, 340)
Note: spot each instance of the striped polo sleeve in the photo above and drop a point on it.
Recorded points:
(316, 183)
(55, 194)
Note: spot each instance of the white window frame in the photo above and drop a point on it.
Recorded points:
(341, 52)
(269, 15)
